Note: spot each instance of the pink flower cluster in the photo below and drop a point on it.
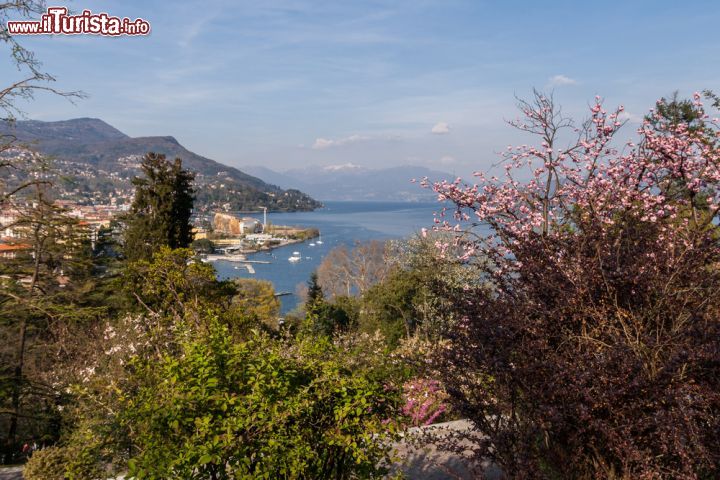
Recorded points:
(424, 401)
(591, 182)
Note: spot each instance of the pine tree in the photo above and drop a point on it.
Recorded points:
(160, 213)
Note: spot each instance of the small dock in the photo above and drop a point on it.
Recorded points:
(232, 258)
(227, 258)
(249, 268)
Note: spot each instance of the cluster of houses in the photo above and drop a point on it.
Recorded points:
(91, 217)
(11, 243)
(245, 231)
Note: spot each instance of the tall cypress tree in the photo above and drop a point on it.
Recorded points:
(160, 213)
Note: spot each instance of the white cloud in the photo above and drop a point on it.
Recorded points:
(630, 117)
(324, 143)
(344, 166)
(561, 80)
(441, 128)
(447, 160)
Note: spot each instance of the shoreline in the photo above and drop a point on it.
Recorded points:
(239, 255)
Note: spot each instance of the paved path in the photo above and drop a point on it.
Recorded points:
(11, 473)
(424, 461)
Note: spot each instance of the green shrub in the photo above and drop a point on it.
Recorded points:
(77, 459)
(47, 464)
(261, 408)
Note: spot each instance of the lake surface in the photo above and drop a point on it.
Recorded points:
(340, 223)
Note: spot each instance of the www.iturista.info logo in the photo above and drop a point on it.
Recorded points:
(57, 21)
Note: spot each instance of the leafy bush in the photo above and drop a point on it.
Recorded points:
(71, 462)
(258, 409)
(46, 464)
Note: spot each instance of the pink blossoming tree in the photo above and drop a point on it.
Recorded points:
(592, 349)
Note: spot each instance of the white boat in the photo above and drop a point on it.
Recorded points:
(319, 242)
(311, 244)
(294, 259)
(296, 254)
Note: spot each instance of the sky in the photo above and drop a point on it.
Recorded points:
(293, 83)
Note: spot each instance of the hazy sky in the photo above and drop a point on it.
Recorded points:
(377, 83)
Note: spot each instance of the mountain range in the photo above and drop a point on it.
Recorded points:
(99, 160)
(97, 163)
(349, 182)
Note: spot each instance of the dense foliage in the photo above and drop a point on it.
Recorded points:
(256, 300)
(44, 296)
(188, 389)
(257, 409)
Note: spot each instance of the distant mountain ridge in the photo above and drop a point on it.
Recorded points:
(102, 149)
(349, 182)
(90, 130)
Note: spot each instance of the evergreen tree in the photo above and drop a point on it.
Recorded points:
(322, 317)
(674, 112)
(315, 295)
(43, 295)
(160, 213)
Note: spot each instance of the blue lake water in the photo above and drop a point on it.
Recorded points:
(340, 223)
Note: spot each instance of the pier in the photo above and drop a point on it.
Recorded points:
(233, 258)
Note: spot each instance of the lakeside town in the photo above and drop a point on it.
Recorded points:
(220, 236)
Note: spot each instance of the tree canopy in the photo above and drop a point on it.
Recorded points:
(161, 210)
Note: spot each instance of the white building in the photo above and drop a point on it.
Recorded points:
(249, 225)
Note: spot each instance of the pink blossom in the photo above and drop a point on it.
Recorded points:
(589, 184)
